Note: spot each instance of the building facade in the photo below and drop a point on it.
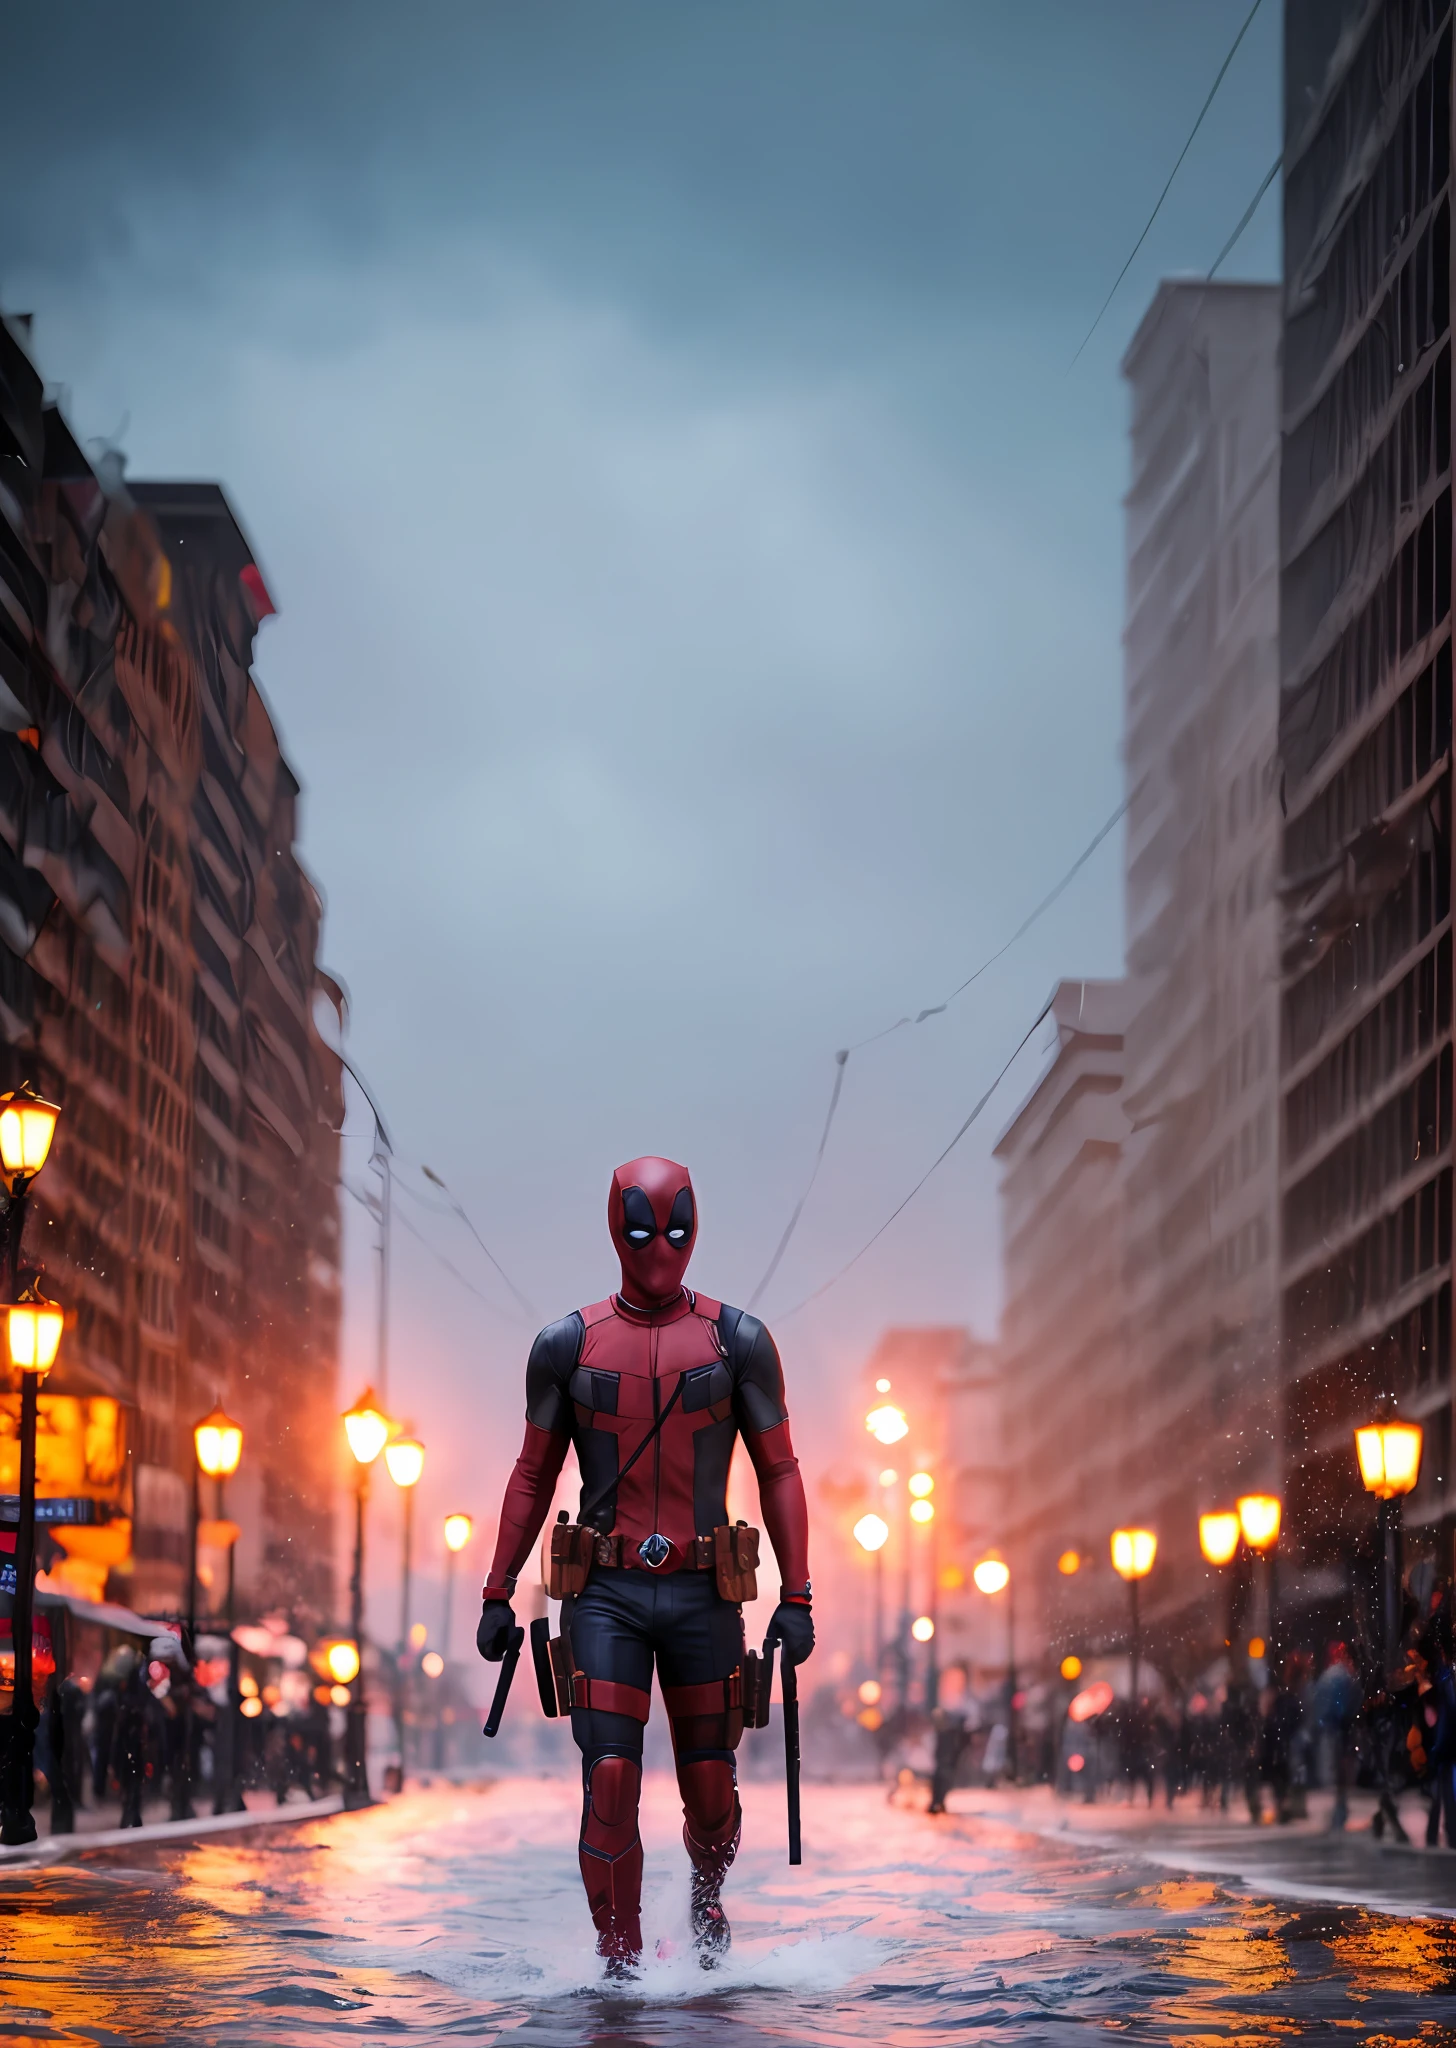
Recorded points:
(1365, 743)
(1063, 1355)
(158, 977)
(1200, 739)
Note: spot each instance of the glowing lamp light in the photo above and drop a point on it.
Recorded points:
(33, 1328)
(889, 1477)
(921, 1485)
(887, 1425)
(882, 1386)
(432, 1664)
(339, 1695)
(870, 1692)
(1133, 1551)
(1257, 1647)
(992, 1575)
(922, 1628)
(1218, 1535)
(1069, 1563)
(367, 1428)
(1071, 1667)
(922, 1510)
(871, 1532)
(419, 1635)
(1390, 1457)
(952, 1579)
(458, 1531)
(342, 1659)
(1259, 1518)
(27, 1125)
(219, 1444)
(251, 1707)
(405, 1458)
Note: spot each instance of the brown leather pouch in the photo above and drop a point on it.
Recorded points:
(570, 1562)
(735, 1562)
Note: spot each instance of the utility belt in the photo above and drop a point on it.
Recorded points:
(730, 1553)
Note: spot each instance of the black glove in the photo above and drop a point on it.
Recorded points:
(493, 1636)
(793, 1627)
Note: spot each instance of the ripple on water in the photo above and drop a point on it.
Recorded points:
(443, 1918)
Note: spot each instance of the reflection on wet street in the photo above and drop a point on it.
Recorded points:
(455, 1915)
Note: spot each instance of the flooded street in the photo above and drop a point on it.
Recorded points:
(456, 1915)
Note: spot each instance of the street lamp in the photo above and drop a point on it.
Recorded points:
(922, 1511)
(1389, 1452)
(405, 1458)
(871, 1533)
(992, 1576)
(1218, 1536)
(1133, 1552)
(33, 1328)
(458, 1531)
(887, 1424)
(367, 1429)
(218, 1443)
(1260, 1515)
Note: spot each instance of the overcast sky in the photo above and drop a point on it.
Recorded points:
(698, 569)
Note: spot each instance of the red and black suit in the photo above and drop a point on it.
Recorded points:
(596, 1382)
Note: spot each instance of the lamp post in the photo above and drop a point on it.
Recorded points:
(1260, 1516)
(922, 1513)
(33, 1332)
(405, 1458)
(458, 1531)
(871, 1533)
(1133, 1552)
(218, 1443)
(1389, 1452)
(992, 1576)
(367, 1430)
(1218, 1539)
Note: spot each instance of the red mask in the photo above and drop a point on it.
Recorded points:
(653, 1220)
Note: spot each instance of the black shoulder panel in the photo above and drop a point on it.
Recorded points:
(551, 1364)
(758, 1377)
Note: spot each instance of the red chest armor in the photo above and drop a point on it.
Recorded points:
(629, 1368)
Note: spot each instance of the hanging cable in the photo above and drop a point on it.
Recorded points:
(1248, 214)
(938, 1161)
(841, 1058)
(435, 1181)
(1212, 93)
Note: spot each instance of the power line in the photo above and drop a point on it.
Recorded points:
(435, 1181)
(367, 1201)
(841, 1058)
(1212, 94)
(938, 1161)
(1248, 214)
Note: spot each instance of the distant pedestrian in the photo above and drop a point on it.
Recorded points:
(1336, 1701)
(951, 1738)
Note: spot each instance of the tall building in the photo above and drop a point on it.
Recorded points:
(1066, 1420)
(1365, 743)
(1200, 740)
(158, 975)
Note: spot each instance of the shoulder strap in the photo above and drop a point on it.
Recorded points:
(585, 1513)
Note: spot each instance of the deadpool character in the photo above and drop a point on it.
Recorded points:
(655, 1353)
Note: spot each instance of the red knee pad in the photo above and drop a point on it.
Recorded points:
(710, 1808)
(611, 1856)
(609, 1821)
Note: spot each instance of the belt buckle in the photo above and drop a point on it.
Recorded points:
(654, 1551)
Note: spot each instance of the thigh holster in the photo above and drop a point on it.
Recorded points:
(708, 1716)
